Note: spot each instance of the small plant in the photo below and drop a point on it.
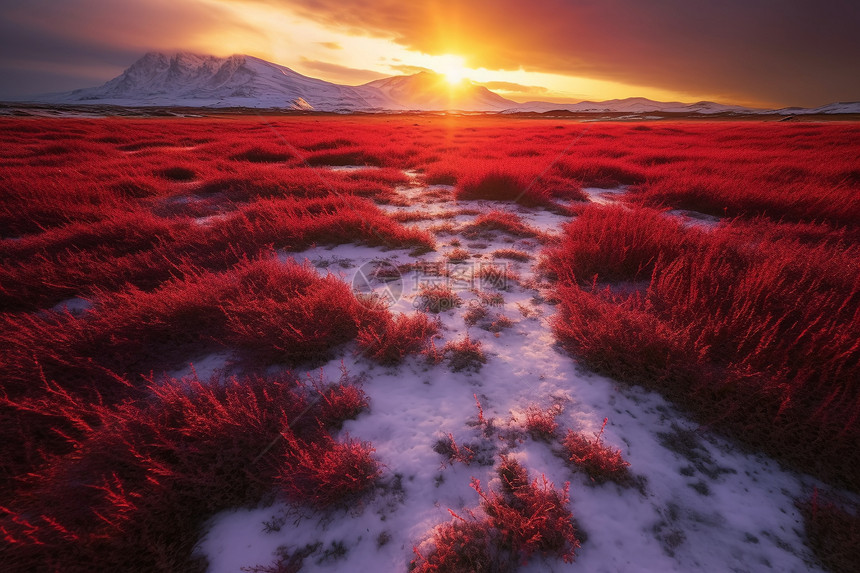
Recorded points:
(465, 355)
(327, 473)
(458, 255)
(541, 424)
(600, 463)
(488, 298)
(447, 446)
(503, 221)
(500, 323)
(499, 277)
(390, 340)
(437, 298)
(524, 519)
(474, 314)
(512, 254)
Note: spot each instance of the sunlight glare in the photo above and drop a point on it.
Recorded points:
(453, 68)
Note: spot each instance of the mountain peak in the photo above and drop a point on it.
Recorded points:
(187, 79)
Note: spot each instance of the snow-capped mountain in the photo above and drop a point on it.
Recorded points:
(838, 107)
(629, 105)
(192, 80)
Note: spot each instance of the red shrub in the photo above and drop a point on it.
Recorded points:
(463, 547)
(466, 354)
(600, 463)
(524, 519)
(504, 221)
(144, 475)
(390, 340)
(501, 185)
(288, 313)
(540, 423)
(615, 243)
(325, 473)
(437, 298)
(833, 532)
(533, 517)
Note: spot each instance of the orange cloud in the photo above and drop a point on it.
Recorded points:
(791, 52)
(515, 88)
(338, 73)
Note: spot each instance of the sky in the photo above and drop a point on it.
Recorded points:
(761, 53)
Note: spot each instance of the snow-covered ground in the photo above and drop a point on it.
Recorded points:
(702, 504)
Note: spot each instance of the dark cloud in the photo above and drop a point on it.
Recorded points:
(340, 74)
(47, 45)
(792, 52)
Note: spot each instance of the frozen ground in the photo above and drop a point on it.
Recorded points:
(702, 504)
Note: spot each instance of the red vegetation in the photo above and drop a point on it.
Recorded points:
(465, 354)
(614, 244)
(754, 326)
(437, 298)
(503, 221)
(833, 531)
(168, 227)
(540, 423)
(601, 463)
(523, 519)
(140, 478)
(288, 313)
(390, 340)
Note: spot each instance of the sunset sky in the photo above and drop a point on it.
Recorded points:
(766, 53)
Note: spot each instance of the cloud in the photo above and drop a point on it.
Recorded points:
(53, 46)
(515, 88)
(409, 70)
(341, 74)
(330, 45)
(800, 52)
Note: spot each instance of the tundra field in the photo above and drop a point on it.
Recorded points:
(429, 343)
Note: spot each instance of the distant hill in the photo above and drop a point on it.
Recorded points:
(194, 80)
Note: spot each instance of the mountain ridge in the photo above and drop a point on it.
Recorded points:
(185, 79)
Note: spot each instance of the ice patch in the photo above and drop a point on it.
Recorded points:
(604, 196)
(75, 305)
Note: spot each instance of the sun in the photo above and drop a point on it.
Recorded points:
(453, 68)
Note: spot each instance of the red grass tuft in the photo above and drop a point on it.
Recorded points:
(524, 519)
(833, 532)
(465, 354)
(390, 340)
(326, 473)
(499, 185)
(600, 463)
(615, 244)
(504, 221)
(143, 476)
(540, 423)
(438, 298)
